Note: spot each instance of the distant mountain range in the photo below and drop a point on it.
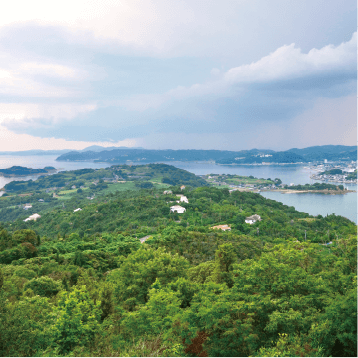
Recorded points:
(294, 155)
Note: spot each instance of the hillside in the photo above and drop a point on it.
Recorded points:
(221, 157)
(83, 185)
(189, 289)
(23, 171)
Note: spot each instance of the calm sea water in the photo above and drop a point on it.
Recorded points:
(314, 204)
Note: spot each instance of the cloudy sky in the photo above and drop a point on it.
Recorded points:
(198, 74)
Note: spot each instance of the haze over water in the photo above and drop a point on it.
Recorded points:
(314, 204)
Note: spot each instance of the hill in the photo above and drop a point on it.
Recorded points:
(287, 282)
(122, 155)
(23, 171)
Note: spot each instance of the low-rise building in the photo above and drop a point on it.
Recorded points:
(27, 206)
(178, 209)
(222, 227)
(166, 192)
(183, 198)
(78, 209)
(33, 217)
(182, 187)
(252, 219)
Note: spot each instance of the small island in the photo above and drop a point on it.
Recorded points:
(17, 171)
(322, 188)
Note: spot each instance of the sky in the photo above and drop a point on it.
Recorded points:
(189, 74)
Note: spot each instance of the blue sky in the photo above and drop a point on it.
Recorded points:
(182, 75)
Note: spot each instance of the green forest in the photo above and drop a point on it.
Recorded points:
(315, 186)
(125, 276)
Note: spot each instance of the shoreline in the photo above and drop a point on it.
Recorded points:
(325, 191)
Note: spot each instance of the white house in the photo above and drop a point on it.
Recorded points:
(222, 227)
(177, 208)
(33, 217)
(183, 198)
(252, 219)
(75, 211)
(182, 187)
(167, 192)
(27, 206)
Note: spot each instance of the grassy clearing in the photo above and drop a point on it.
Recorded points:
(160, 185)
(66, 192)
(129, 185)
(64, 197)
(307, 219)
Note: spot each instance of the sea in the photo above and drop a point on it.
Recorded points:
(313, 204)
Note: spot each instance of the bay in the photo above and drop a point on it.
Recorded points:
(313, 204)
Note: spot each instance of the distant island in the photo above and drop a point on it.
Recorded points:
(17, 171)
(224, 157)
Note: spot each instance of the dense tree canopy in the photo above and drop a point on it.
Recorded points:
(125, 277)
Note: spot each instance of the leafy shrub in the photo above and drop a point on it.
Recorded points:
(44, 286)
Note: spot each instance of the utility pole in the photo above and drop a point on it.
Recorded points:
(305, 235)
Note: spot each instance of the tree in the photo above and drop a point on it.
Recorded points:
(225, 257)
(77, 320)
(43, 286)
(139, 271)
(25, 235)
(24, 326)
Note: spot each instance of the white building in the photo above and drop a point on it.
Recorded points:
(33, 217)
(75, 211)
(166, 192)
(27, 206)
(177, 208)
(222, 227)
(182, 199)
(252, 219)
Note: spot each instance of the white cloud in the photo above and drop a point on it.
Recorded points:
(27, 79)
(289, 62)
(286, 63)
(240, 29)
(49, 69)
(25, 112)
(10, 141)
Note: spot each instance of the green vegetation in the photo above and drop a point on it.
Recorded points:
(315, 186)
(230, 179)
(22, 171)
(332, 172)
(352, 176)
(125, 155)
(75, 188)
(82, 283)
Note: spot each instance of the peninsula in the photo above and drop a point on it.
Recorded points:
(17, 171)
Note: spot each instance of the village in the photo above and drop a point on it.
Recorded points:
(337, 172)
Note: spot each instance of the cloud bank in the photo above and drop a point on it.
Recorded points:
(195, 72)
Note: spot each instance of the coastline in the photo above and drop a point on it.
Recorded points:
(325, 191)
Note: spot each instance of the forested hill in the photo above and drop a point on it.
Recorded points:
(146, 155)
(125, 276)
(160, 173)
(219, 156)
(22, 171)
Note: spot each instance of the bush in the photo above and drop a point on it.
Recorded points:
(24, 272)
(43, 286)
